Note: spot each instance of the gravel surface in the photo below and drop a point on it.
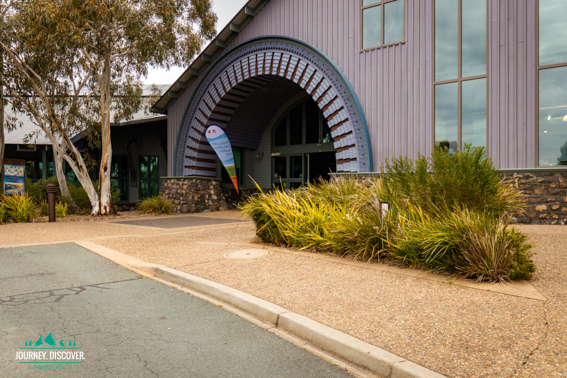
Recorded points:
(457, 331)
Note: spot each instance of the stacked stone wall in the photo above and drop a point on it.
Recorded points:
(194, 194)
(546, 195)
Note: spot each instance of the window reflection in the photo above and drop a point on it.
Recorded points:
(552, 32)
(446, 40)
(371, 27)
(474, 38)
(447, 116)
(553, 116)
(473, 116)
(393, 22)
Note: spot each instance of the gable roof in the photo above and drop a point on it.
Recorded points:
(209, 54)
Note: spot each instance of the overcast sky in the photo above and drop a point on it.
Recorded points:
(225, 10)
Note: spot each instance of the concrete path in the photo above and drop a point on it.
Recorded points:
(127, 326)
(453, 327)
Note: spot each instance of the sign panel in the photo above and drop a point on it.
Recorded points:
(220, 143)
(13, 176)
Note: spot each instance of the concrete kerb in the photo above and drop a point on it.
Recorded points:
(332, 341)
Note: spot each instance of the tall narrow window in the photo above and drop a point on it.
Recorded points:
(552, 77)
(119, 175)
(460, 73)
(149, 176)
(382, 23)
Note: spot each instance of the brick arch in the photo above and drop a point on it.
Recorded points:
(253, 64)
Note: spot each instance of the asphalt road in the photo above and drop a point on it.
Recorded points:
(125, 325)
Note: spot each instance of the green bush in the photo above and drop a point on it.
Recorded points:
(448, 213)
(61, 210)
(38, 190)
(20, 208)
(43, 208)
(465, 179)
(3, 216)
(156, 205)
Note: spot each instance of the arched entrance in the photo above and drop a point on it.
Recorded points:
(270, 62)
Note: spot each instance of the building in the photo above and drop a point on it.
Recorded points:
(304, 87)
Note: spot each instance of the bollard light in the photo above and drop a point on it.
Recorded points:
(51, 201)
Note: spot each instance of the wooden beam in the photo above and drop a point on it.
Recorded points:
(194, 72)
(182, 85)
(234, 27)
(172, 94)
(249, 11)
(220, 43)
(206, 58)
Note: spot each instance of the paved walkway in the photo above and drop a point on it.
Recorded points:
(126, 326)
(454, 329)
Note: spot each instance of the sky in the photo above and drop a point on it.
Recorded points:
(225, 10)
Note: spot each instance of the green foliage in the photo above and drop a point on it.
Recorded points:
(3, 216)
(448, 213)
(43, 208)
(38, 190)
(156, 205)
(80, 197)
(465, 179)
(20, 208)
(61, 210)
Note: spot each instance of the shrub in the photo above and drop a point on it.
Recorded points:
(43, 208)
(20, 208)
(156, 205)
(80, 197)
(448, 213)
(3, 216)
(61, 210)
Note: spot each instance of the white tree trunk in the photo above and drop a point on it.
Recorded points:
(60, 174)
(106, 160)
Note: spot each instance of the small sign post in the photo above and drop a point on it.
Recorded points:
(13, 176)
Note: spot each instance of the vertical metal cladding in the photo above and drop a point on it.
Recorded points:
(241, 72)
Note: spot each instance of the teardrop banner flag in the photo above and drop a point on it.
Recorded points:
(220, 143)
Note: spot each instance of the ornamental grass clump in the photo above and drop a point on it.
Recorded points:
(61, 209)
(448, 213)
(3, 216)
(156, 205)
(19, 208)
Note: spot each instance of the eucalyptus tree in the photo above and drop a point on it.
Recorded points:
(100, 49)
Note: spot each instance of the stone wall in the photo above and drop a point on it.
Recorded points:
(546, 194)
(194, 194)
(201, 194)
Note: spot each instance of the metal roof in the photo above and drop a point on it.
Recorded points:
(209, 54)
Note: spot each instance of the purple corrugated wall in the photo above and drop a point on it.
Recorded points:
(393, 83)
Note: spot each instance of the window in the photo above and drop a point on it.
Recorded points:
(149, 176)
(119, 175)
(304, 146)
(382, 23)
(238, 165)
(460, 73)
(552, 78)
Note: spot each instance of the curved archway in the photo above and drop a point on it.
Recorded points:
(249, 66)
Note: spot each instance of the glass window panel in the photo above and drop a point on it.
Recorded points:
(154, 167)
(295, 185)
(296, 166)
(312, 122)
(447, 116)
(143, 167)
(553, 116)
(446, 39)
(371, 27)
(327, 137)
(369, 2)
(296, 125)
(474, 38)
(280, 167)
(154, 189)
(114, 170)
(394, 22)
(280, 136)
(552, 32)
(143, 189)
(473, 112)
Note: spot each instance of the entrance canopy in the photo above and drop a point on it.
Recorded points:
(242, 71)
